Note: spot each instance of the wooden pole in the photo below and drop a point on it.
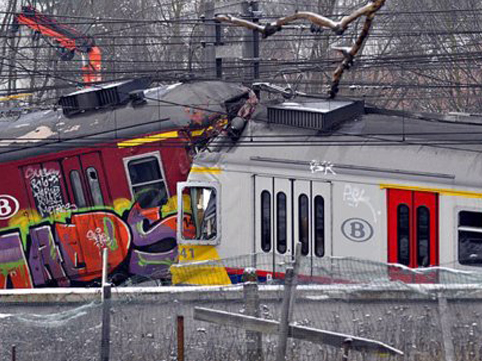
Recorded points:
(14, 353)
(254, 340)
(287, 306)
(285, 311)
(346, 349)
(446, 325)
(296, 271)
(321, 337)
(180, 338)
(106, 304)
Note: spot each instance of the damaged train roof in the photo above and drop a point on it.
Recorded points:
(442, 148)
(182, 105)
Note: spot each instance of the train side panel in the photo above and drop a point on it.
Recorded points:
(412, 224)
(59, 210)
(461, 231)
(359, 222)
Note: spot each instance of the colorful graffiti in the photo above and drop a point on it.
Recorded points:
(65, 248)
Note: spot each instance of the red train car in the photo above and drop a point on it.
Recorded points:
(102, 172)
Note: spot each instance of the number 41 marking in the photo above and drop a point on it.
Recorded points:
(184, 252)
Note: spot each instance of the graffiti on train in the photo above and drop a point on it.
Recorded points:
(355, 196)
(65, 250)
(324, 167)
(47, 190)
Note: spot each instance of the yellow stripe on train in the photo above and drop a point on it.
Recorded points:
(211, 170)
(442, 191)
(149, 139)
(155, 138)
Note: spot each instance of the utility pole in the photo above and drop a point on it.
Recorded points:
(209, 58)
(12, 44)
(12, 74)
(255, 10)
(250, 43)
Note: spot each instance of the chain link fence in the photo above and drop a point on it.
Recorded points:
(432, 314)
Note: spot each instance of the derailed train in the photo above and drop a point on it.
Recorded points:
(102, 172)
(344, 180)
(338, 177)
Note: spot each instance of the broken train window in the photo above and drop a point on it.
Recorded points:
(199, 212)
(146, 180)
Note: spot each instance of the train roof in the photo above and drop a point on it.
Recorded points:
(166, 107)
(445, 149)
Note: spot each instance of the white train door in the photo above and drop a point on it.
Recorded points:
(283, 220)
(312, 219)
(264, 222)
(273, 222)
(288, 211)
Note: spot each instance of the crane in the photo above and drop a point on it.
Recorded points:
(68, 41)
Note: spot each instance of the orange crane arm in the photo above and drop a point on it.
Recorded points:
(69, 40)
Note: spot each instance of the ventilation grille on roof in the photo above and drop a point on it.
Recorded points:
(99, 97)
(322, 115)
(109, 96)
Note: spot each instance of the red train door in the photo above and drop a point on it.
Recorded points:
(413, 239)
(47, 188)
(86, 179)
(93, 170)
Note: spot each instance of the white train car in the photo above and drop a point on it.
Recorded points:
(343, 180)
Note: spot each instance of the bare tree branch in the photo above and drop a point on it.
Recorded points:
(338, 28)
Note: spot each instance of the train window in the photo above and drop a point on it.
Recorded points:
(303, 219)
(266, 221)
(403, 231)
(470, 238)
(281, 233)
(319, 226)
(94, 185)
(203, 214)
(78, 191)
(423, 236)
(147, 183)
(198, 219)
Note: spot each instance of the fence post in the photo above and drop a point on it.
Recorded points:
(287, 305)
(446, 324)
(254, 340)
(14, 353)
(106, 303)
(346, 349)
(180, 338)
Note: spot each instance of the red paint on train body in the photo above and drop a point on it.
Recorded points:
(64, 183)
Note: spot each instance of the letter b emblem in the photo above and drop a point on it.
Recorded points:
(357, 230)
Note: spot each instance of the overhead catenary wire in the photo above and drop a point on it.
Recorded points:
(364, 63)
